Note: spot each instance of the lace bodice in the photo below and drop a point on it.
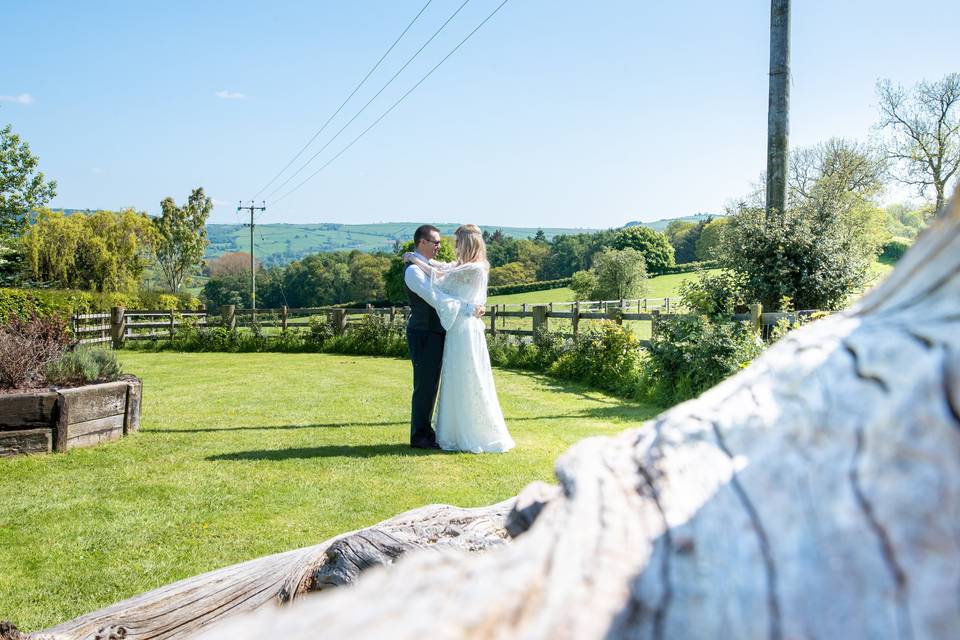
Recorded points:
(464, 284)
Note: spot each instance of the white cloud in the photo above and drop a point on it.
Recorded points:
(23, 98)
(229, 95)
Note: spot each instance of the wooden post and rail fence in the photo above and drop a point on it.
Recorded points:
(122, 325)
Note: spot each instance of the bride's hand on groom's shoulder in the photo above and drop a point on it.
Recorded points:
(408, 257)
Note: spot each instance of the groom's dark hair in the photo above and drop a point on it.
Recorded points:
(422, 232)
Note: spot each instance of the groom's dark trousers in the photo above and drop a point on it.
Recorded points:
(425, 338)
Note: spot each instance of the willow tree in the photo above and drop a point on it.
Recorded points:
(103, 251)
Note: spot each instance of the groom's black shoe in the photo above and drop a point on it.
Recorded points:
(425, 445)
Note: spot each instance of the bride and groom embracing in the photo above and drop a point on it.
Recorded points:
(448, 347)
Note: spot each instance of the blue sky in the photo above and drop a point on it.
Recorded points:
(556, 113)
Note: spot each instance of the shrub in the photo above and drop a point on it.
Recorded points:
(894, 249)
(689, 355)
(28, 346)
(712, 294)
(373, 335)
(606, 356)
(83, 365)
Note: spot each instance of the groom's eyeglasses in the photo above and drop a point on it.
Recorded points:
(435, 243)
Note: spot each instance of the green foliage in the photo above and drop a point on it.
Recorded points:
(818, 254)
(510, 274)
(605, 356)
(103, 251)
(688, 355)
(709, 243)
(894, 249)
(904, 220)
(584, 284)
(620, 274)
(182, 237)
(572, 253)
(84, 365)
(27, 346)
(712, 294)
(393, 280)
(684, 237)
(22, 188)
(374, 335)
(63, 302)
(654, 246)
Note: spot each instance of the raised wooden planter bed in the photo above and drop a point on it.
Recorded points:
(44, 421)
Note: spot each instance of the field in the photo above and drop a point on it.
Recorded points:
(667, 286)
(282, 243)
(242, 455)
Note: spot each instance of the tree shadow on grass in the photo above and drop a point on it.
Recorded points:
(330, 451)
(318, 425)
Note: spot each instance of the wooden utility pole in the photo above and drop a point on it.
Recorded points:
(778, 121)
(253, 271)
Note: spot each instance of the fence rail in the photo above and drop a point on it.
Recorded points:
(122, 325)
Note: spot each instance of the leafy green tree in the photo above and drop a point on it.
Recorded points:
(367, 273)
(817, 254)
(620, 273)
(540, 237)
(182, 237)
(683, 237)
(22, 188)
(510, 273)
(393, 280)
(105, 251)
(652, 245)
(572, 253)
(708, 244)
(584, 285)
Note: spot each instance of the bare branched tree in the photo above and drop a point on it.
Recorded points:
(922, 132)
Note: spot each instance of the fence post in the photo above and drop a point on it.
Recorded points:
(229, 314)
(283, 318)
(653, 323)
(493, 320)
(117, 326)
(615, 314)
(666, 305)
(338, 320)
(756, 317)
(172, 325)
(393, 314)
(575, 320)
(541, 322)
(644, 304)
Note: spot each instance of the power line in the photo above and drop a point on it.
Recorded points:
(393, 106)
(342, 104)
(377, 94)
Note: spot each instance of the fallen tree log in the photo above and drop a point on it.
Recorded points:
(187, 605)
(815, 494)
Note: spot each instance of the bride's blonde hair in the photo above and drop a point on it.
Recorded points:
(470, 244)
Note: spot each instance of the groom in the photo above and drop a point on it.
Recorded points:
(425, 337)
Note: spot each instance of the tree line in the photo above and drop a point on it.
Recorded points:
(814, 253)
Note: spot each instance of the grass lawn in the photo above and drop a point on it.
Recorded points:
(242, 455)
(667, 286)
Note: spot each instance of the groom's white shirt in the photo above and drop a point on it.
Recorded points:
(419, 283)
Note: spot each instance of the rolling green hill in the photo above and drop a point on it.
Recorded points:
(282, 243)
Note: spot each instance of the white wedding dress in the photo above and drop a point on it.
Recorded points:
(468, 417)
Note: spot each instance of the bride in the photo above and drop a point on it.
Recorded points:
(468, 413)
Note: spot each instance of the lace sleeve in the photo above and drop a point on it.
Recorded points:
(464, 286)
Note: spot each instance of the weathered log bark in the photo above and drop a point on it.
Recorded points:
(815, 494)
(181, 607)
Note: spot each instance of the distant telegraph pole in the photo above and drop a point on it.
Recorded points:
(253, 271)
(778, 114)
